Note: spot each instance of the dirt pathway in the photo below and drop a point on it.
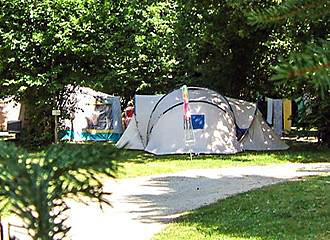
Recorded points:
(142, 206)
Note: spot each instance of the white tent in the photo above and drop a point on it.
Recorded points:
(95, 116)
(220, 125)
(135, 135)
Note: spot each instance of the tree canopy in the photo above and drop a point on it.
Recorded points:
(147, 47)
(311, 17)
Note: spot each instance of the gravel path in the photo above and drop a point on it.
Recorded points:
(142, 206)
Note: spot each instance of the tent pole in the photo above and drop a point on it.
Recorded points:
(55, 131)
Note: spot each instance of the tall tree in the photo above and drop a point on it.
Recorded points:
(46, 45)
(206, 43)
(312, 61)
(218, 49)
(144, 49)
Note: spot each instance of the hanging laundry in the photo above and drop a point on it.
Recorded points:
(269, 110)
(287, 113)
(278, 117)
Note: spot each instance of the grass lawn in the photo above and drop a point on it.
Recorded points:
(139, 163)
(292, 210)
(143, 164)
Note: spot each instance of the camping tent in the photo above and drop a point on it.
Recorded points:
(135, 135)
(9, 112)
(220, 125)
(95, 116)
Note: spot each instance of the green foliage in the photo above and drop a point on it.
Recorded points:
(129, 47)
(312, 61)
(313, 64)
(218, 49)
(305, 71)
(315, 114)
(36, 189)
(143, 57)
(296, 10)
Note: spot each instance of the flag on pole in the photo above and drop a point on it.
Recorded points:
(187, 123)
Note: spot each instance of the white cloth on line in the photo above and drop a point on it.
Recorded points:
(278, 117)
(269, 110)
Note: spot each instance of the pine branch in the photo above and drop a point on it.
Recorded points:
(313, 63)
(299, 9)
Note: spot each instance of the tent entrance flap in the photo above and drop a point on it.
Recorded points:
(101, 118)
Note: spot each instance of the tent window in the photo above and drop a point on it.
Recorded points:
(198, 121)
(101, 118)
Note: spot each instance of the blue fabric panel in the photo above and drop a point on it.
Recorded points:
(74, 136)
(240, 132)
(278, 117)
(101, 137)
(116, 113)
(198, 121)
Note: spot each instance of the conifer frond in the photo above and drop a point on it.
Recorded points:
(294, 9)
(313, 63)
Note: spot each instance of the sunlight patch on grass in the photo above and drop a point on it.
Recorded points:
(140, 163)
(143, 164)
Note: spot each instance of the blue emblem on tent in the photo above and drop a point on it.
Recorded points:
(198, 121)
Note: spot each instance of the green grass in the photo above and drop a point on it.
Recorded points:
(294, 210)
(139, 163)
(143, 164)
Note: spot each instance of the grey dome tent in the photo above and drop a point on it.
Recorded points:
(220, 125)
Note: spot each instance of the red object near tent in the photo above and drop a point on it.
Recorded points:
(129, 111)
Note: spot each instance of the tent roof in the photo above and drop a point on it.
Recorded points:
(196, 95)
